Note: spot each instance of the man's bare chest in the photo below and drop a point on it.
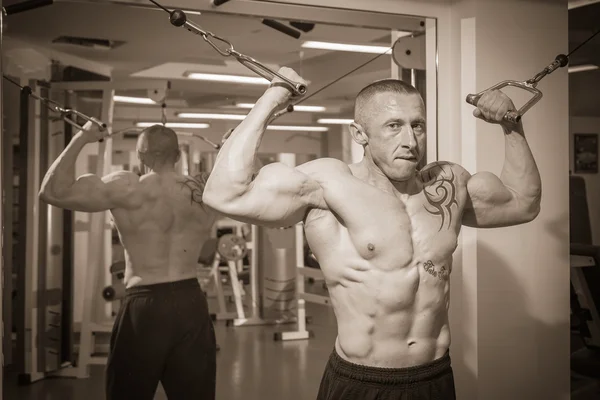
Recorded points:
(396, 229)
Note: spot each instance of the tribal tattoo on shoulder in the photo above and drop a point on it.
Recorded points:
(196, 187)
(440, 192)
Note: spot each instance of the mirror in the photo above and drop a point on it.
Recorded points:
(131, 61)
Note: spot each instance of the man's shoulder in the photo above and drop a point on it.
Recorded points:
(445, 170)
(195, 182)
(195, 186)
(121, 177)
(322, 167)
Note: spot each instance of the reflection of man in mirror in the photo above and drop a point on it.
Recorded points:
(383, 230)
(163, 330)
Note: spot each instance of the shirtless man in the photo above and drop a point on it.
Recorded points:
(384, 233)
(163, 331)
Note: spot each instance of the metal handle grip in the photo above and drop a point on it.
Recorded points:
(511, 116)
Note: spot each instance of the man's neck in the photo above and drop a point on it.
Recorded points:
(375, 176)
(160, 170)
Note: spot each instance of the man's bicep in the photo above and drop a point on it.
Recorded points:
(278, 195)
(88, 194)
(489, 202)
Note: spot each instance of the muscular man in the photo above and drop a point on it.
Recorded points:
(163, 330)
(384, 232)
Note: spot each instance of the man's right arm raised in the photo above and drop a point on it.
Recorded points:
(276, 195)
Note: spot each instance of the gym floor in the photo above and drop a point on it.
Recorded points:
(250, 365)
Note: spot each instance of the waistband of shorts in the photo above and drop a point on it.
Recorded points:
(166, 287)
(390, 376)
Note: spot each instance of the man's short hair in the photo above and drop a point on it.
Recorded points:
(159, 143)
(381, 86)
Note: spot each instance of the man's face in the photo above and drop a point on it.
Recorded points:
(395, 126)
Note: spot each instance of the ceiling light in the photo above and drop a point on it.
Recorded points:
(296, 108)
(134, 100)
(183, 125)
(347, 47)
(298, 128)
(236, 117)
(227, 78)
(581, 68)
(335, 121)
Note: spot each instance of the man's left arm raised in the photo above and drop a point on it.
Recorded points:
(88, 192)
(514, 197)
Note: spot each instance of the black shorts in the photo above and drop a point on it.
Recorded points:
(344, 380)
(162, 333)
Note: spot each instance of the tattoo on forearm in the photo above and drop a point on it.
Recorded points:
(441, 193)
(442, 273)
(196, 187)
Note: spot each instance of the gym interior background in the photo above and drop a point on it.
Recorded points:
(510, 320)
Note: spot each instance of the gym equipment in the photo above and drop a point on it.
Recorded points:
(189, 134)
(302, 296)
(232, 247)
(408, 52)
(99, 241)
(66, 114)
(585, 289)
(278, 272)
(178, 18)
(44, 283)
(229, 248)
(70, 115)
(290, 108)
(42, 312)
(530, 85)
(117, 290)
(585, 268)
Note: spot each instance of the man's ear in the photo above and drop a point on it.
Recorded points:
(178, 156)
(358, 133)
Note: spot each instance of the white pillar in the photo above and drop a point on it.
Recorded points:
(515, 296)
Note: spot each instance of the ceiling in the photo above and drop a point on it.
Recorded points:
(154, 49)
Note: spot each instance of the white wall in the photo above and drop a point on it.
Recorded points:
(592, 181)
(522, 272)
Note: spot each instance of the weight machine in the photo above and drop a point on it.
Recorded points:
(230, 248)
(55, 244)
(302, 297)
(263, 253)
(585, 289)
